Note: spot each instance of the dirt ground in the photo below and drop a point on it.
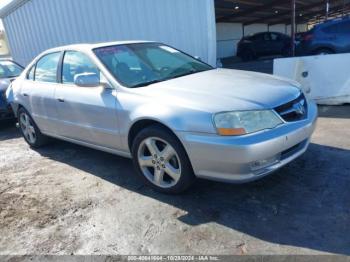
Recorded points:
(66, 199)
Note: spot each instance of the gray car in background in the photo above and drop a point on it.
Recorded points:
(9, 70)
(177, 117)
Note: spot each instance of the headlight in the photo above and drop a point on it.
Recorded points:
(245, 122)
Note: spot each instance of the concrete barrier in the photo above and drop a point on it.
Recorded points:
(325, 78)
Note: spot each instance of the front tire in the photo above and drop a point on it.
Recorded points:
(161, 161)
(30, 130)
(247, 54)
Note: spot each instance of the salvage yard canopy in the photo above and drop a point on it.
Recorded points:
(273, 12)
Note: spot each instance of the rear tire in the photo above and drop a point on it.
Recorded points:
(161, 161)
(30, 130)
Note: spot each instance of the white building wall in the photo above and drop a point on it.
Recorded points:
(299, 28)
(228, 36)
(280, 28)
(41, 24)
(255, 28)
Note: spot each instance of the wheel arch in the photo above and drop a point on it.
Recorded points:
(141, 124)
(16, 107)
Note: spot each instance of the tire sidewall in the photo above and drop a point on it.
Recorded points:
(40, 138)
(187, 177)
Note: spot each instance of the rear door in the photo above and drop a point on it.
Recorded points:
(38, 90)
(87, 114)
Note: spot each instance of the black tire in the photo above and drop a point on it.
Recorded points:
(247, 54)
(40, 139)
(187, 176)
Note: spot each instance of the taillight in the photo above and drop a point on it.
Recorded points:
(308, 37)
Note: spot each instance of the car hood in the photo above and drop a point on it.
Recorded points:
(224, 90)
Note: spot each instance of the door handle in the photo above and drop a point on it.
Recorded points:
(60, 100)
(25, 94)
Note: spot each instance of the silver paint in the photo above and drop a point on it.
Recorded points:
(101, 117)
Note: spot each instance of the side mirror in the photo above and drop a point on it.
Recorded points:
(87, 80)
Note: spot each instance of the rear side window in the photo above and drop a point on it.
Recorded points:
(75, 63)
(46, 68)
(275, 37)
(258, 37)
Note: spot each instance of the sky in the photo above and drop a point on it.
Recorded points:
(4, 2)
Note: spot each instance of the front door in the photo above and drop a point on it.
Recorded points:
(261, 43)
(87, 114)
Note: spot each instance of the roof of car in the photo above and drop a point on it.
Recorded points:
(266, 32)
(89, 46)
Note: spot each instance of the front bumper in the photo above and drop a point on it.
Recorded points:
(247, 158)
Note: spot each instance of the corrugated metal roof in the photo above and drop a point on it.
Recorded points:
(10, 7)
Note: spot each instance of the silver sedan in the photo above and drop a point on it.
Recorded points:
(175, 116)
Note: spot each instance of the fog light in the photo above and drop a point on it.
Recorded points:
(256, 165)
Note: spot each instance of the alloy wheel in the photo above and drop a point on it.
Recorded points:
(159, 162)
(27, 128)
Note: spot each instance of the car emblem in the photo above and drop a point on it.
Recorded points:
(299, 108)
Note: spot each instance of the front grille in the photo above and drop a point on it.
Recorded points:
(294, 110)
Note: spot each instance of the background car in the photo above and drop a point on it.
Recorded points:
(263, 44)
(328, 38)
(299, 37)
(9, 70)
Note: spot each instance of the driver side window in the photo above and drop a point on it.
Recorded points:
(75, 63)
(275, 37)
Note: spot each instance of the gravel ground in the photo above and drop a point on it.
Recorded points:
(66, 199)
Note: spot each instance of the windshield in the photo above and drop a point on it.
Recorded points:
(9, 69)
(136, 65)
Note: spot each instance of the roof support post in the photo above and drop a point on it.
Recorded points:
(327, 9)
(292, 27)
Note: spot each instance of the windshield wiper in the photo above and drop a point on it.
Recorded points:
(186, 74)
(11, 76)
(168, 78)
(147, 83)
